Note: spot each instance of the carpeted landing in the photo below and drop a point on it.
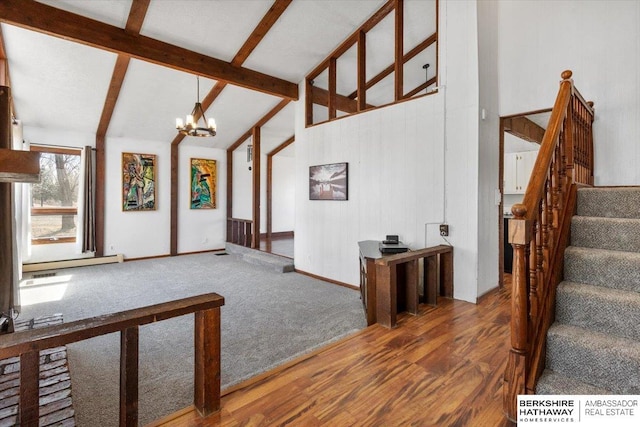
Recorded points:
(268, 319)
(594, 345)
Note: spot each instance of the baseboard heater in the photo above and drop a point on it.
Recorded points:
(54, 265)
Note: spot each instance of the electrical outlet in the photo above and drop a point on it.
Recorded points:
(444, 229)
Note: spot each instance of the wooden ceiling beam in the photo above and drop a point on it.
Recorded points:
(5, 79)
(524, 128)
(256, 36)
(423, 86)
(343, 103)
(261, 30)
(282, 146)
(39, 17)
(271, 114)
(134, 23)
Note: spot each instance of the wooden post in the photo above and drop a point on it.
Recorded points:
(431, 287)
(206, 397)
(362, 71)
(29, 389)
(129, 376)
(255, 240)
(6, 215)
(446, 274)
(411, 286)
(515, 375)
(386, 295)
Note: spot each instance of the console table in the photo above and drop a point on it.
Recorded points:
(381, 274)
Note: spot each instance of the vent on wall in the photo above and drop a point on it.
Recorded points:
(41, 275)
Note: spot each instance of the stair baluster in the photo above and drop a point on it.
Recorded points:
(539, 233)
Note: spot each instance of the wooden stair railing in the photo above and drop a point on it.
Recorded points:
(206, 308)
(239, 231)
(539, 233)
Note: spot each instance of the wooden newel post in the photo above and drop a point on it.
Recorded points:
(207, 361)
(515, 374)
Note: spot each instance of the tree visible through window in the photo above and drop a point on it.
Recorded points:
(54, 200)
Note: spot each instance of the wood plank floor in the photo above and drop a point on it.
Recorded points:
(443, 367)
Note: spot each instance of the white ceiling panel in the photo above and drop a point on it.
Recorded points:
(306, 33)
(213, 28)
(112, 12)
(56, 83)
(151, 99)
(235, 111)
(60, 84)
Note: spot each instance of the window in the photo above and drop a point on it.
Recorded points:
(54, 200)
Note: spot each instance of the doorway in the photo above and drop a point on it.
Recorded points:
(520, 139)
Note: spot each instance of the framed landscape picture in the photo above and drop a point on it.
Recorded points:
(138, 182)
(329, 182)
(203, 184)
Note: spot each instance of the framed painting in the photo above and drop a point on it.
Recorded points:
(329, 182)
(138, 182)
(203, 184)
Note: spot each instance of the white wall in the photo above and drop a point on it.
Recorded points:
(459, 74)
(201, 229)
(411, 167)
(242, 185)
(283, 193)
(489, 144)
(600, 42)
(395, 157)
(137, 234)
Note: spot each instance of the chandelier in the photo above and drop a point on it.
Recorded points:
(190, 127)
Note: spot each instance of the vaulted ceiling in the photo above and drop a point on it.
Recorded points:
(61, 84)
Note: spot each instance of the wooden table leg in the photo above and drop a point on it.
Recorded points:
(387, 295)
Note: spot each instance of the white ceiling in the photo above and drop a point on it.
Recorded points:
(58, 84)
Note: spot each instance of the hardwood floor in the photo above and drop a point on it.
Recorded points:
(443, 367)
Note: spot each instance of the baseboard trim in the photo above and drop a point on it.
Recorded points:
(324, 279)
(81, 262)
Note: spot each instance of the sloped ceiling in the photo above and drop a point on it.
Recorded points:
(60, 84)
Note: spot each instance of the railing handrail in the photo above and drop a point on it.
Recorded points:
(40, 339)
(240, 220)
(206, 309)
(535, 187)
(539, 233)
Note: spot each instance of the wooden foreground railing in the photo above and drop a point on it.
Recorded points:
(539, 234)
(28, 344)
(239, 231)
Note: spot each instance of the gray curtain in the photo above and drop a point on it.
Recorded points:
(89, 221)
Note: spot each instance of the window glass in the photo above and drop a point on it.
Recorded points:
(54, 200)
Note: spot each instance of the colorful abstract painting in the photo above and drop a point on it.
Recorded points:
(328, 182)
(138, 182)
(203, 184)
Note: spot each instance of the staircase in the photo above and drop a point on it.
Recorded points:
(594, 345)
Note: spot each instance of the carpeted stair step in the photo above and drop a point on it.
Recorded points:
(599, 359)
(612, 202)
(278, 263)
(609, 311)
(551, 382)
(618, 234)
(601, 267)
(253, 256)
